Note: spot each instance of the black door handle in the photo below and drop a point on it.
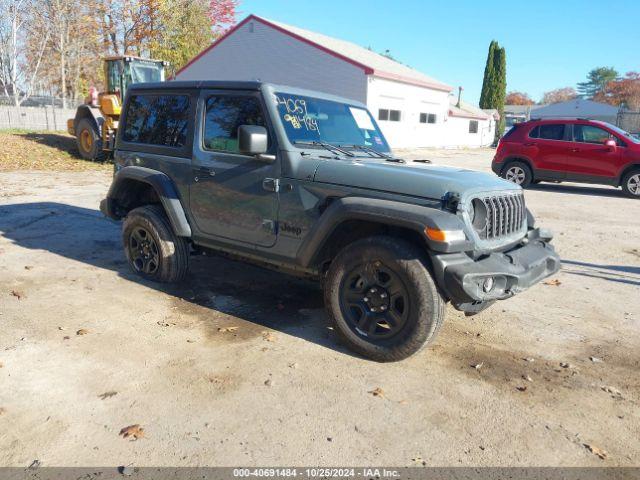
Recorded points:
(529, 144)
(205, 171)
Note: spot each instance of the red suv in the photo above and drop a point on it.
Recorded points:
(569, 150)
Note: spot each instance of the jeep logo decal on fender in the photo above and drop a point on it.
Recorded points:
(288, 228)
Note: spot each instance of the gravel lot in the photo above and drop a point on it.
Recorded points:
(87, 348)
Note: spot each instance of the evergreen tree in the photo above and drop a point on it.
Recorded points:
(488, 77)
(597, 80)
(500, 87)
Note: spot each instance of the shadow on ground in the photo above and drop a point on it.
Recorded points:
(578, 190)
(60, 141)
(214, 284)
(614, 273)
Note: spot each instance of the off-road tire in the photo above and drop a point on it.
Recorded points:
(91, 149)
(426, 306)
(630, 180)
(524, 172)
(172, 250)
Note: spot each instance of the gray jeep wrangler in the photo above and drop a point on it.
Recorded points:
(305, 183)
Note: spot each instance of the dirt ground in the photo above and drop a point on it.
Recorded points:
(87, 348)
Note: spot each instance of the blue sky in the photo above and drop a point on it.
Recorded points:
(549, 44)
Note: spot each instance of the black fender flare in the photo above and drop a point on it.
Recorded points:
(163, 186)
(385, 212)
(92, 113)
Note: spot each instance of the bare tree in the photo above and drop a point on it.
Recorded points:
(17, 76)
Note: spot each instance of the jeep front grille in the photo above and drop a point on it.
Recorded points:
(506, 214)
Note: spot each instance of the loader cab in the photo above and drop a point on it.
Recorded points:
(120, 72)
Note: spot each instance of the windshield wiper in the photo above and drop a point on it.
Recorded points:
(327, 146)
(373, 151)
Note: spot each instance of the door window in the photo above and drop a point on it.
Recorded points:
(590, 134)
(551, 131)
(224, 114)
(157, 120)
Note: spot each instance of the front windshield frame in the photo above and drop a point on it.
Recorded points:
(306, 119)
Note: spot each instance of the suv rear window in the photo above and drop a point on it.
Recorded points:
(157, 120)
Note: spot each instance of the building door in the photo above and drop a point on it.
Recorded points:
(229, 197)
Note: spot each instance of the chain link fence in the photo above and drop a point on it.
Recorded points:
(36, 113)
(629, 121)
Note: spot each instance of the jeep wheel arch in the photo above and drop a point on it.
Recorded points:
(136, 186)
(378, 213)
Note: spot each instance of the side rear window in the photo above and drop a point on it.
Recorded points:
(161, 120)
(535, 133)
(511, 130)
(552, 131)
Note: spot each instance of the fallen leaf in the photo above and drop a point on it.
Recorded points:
(291, 365)
(595, 359)
(527, 378)
(28, 267)
(60, 328)
(565, 365)
(521, 388)
(17, 294)
(82, 331)
(596, 451)
(477, 366)
(109, 394)
(377, 392)
(268, 382)
(134, 431)
(227, 329)
(268, 336)
(612, 390)
(555, 282)
(530, 359)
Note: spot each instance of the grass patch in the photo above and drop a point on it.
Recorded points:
(27, 150)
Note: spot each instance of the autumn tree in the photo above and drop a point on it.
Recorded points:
(518, 98)
(597, 80)
(186, 27)
(624, 91)
(559, 95)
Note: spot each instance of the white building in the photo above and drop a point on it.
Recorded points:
(413, 109)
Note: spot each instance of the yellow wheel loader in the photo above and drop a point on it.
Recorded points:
(96, 122)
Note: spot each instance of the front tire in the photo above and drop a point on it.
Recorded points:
(89, 141)
(518, 173)
(153, 250)
(382, 300)
(631, 184)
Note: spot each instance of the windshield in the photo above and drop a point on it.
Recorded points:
(626, 135)
(309, 119)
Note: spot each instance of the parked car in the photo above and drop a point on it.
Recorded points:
(305, 183)
(569, 150)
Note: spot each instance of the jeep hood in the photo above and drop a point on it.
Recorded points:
(411, 178)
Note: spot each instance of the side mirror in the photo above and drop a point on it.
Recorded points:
(252, 139)
(610, 143)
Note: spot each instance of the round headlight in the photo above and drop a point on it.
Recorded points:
(479, 216)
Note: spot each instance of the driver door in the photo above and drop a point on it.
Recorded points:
(231, 195)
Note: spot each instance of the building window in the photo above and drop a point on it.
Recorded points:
(389, 115)
(473, 126)
(427, 118)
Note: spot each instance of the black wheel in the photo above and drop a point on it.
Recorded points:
(631, 184)
(153, 250)
(518, 173)
(381, 298)
(89, 141)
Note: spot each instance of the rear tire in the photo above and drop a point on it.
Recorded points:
(382, 300)
(631, 184)
(153, 250)
(89, 141)
(518, 173)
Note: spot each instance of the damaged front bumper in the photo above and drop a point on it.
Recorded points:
(473, 284)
